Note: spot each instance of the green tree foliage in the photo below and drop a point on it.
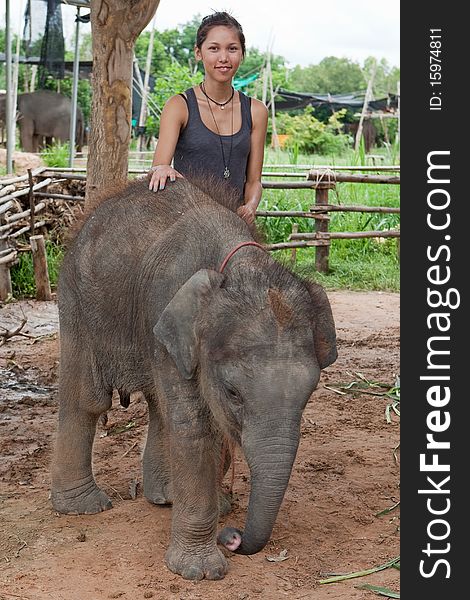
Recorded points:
(85, 48)
(386, 77)
(170, 45)
(340, 75)
(308, 135)
(161, 59)
(175, 79)
(331, 76)
(179, 42)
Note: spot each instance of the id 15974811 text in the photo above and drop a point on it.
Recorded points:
(435, 69)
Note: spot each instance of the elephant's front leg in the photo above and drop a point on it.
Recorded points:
(193, 551)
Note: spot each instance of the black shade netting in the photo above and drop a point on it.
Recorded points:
(44, 37)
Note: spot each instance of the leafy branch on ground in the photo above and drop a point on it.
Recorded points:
(362, 385)
(394, 562)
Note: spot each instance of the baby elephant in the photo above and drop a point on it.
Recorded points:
(171, 296)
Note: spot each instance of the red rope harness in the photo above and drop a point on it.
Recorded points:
(228, 447)
(232, 252)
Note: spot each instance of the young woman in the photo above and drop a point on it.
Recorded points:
(211, 128)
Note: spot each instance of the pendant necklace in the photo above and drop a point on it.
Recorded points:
(222, 105)
(226, 164)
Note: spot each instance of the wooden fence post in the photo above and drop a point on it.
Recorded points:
(321, 226)
(41, 274)
(5, 278)
(293, 255)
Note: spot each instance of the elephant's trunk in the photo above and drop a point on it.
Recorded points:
(270, 459)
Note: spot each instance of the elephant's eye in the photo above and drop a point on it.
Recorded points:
(233, 394)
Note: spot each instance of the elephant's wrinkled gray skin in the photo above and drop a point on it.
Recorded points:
(44, 116)
(142, 306)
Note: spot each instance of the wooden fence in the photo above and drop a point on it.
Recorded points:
(16, 220)
(322, 181)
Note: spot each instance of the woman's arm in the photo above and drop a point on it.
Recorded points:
(253, 187)
(173, 118)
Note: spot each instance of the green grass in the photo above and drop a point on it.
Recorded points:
(22, 274)
(56, 155)
(359, 264)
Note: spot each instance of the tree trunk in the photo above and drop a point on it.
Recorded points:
(115, 25)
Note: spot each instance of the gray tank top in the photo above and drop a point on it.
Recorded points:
(198, 150)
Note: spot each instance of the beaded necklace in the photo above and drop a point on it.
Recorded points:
(221, 104)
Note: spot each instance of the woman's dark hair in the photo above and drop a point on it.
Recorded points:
(214, 20)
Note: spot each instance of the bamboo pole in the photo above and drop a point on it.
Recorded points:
(274, 174)
(322, 208)
(265, 84)
(367, 99)
(298, 174)
(25, 191)
(5, 207)
(26, 228)
(7, 258)
(72, 176)
(333, 176)
(145, 91)
(41, 274)
(32, 209)
(275, 139)
(345, 235)
(10, 221)
(6, 190)
(60, 196)
(15, 72)
(34, 72)
(20, 178)
(297, 244)
(76, 75)
(335, 167)
(289, 185)
(10, 129)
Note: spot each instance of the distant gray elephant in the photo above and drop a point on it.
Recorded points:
(169, 294)
(44, 116)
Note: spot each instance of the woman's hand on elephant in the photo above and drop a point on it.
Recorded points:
(159, 174)
(247, 212)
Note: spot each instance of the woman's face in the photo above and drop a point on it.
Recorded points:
(221, 53)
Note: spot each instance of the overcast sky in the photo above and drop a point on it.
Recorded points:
(304, 32)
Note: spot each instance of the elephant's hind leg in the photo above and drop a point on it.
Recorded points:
(74, 490)
(156, 467)
(27, 134)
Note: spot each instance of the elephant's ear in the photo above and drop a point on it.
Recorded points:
(323, 325)
(176, 328)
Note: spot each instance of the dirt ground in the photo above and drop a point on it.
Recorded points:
(346, 471)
